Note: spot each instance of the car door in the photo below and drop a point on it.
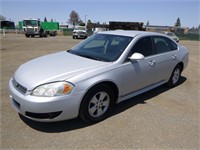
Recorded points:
(165, 57)
(139, 74)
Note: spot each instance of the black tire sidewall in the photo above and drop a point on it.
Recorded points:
(170, 82)
(84, 113)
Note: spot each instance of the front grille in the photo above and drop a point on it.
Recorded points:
(30, 29)
(19, 87)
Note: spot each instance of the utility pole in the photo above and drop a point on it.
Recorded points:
(85, 23)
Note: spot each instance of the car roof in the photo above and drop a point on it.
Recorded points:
(130, 33)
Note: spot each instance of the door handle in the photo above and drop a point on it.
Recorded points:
(152, 62)
(173, 57)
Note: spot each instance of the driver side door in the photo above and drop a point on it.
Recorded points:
(139, 74)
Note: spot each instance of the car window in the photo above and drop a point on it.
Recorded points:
(102, 47)
(143, 46)
(173, 45)
(163, 44)
(170, 34)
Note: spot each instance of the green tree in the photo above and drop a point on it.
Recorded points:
(147, 24)
(178, 22)
(45, 19)
(74, 18)
(81, 23)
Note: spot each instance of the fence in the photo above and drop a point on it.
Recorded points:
(189, 36)
(10, 31)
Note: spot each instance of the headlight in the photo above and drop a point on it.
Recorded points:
(53, 89)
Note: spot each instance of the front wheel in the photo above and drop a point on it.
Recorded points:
(97, 103)
(175, 77)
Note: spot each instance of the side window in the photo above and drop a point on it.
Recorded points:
(173, 45)
(162, 45)
(143, 46)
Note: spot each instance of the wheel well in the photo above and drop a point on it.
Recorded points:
(113, 87)
(181, 65)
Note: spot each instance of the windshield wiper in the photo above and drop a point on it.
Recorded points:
(90, 57)
(69, 51)
(85, 56)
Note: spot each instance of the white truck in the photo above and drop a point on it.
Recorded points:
(32, 27)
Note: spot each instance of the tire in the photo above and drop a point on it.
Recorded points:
(45, 34)
(97, 104)
(175, 77)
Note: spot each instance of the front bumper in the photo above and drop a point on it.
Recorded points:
(45, 109)
(79, 36)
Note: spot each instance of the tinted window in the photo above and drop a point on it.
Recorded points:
(173, 45)
(163, 45)
(143, 46)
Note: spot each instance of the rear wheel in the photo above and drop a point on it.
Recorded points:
(175, 77)
(97, 103)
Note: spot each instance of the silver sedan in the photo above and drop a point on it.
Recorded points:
(87, 80)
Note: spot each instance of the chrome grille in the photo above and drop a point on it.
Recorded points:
(30, 29)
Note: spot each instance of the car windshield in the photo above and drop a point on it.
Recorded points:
(30, 22)
(102, 47)
(170, 34)
(80, 28)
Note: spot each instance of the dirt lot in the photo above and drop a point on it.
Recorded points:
(159, 119)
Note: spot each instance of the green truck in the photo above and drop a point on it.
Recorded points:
(33, 27)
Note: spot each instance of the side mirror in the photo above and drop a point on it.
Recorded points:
(137, 56)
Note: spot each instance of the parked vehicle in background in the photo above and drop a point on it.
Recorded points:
(33, 27)
(79, 33)
(7, 24)
(86, 81)
(172, 35)
(95, 30)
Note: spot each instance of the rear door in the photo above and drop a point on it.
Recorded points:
(165, 57)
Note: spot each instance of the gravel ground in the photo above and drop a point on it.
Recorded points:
(162, 118)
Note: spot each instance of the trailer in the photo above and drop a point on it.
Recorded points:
(7, 24)
(118, 25)
(33, 27)
(114, 25)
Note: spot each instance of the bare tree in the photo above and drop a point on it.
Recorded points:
(74, 18)
(2, 18)
(89, 24)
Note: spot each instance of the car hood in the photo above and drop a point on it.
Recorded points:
(54, 67)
